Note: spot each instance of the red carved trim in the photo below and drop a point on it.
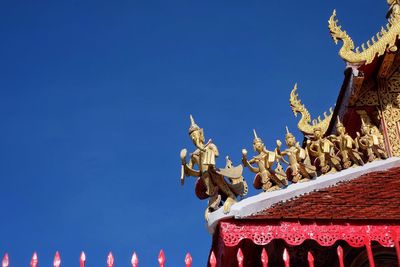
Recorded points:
(295, 233)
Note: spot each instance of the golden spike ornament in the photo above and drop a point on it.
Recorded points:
(221, 186)
(305, 124)
(386, 38)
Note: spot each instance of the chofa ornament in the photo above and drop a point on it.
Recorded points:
(306, 125)
(383, 41)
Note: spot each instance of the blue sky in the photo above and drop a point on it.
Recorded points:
(95, 98)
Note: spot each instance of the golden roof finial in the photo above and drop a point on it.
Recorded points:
(306, 125)
(386, 38)
(193, 126)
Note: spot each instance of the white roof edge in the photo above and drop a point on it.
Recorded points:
(264, 200)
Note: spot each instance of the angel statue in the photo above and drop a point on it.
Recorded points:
(348, 149)
(300, 168)
(266, 178)
(220, 186)
(370, 143)
(323, 151)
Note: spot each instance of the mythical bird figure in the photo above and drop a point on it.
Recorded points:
(304, 124)
(266, 178)
(385, 39)
(300, 168)
(220, 186)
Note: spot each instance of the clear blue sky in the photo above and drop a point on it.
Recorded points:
(94, 104)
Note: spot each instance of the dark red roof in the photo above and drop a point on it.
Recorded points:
(373, 196)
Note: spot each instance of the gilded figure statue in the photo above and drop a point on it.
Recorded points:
(348, 149)
(323, 150)
(370, 143)
(300, 168)
(266, 178)
(220, 186)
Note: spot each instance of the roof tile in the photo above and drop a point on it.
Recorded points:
(373, 196)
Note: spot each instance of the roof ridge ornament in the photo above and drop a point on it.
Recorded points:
(386, 38)
(305, 124)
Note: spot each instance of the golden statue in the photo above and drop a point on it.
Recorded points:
(211, 182)
(267, 178)
(348, 149)
(370, 143)
(323, 150)
(300, 168)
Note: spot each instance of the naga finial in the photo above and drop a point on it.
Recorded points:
(306, 125)
(386, 38)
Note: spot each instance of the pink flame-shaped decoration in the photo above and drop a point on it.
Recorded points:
(188, 260)
(264, 258)
(286, 258)
(5, 262)
(82, 259)
(161, 258)
(110, 260)
(239, 257)
(213, 260)
(310, 259)
(339, 251)
(134, 260)
(57, 260)
(34, 260)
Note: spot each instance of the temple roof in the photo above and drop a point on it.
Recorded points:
(372, 196)
(368, 192)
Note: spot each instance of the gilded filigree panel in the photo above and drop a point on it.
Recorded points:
(393, 82)
(368, 98)
(389, 96)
